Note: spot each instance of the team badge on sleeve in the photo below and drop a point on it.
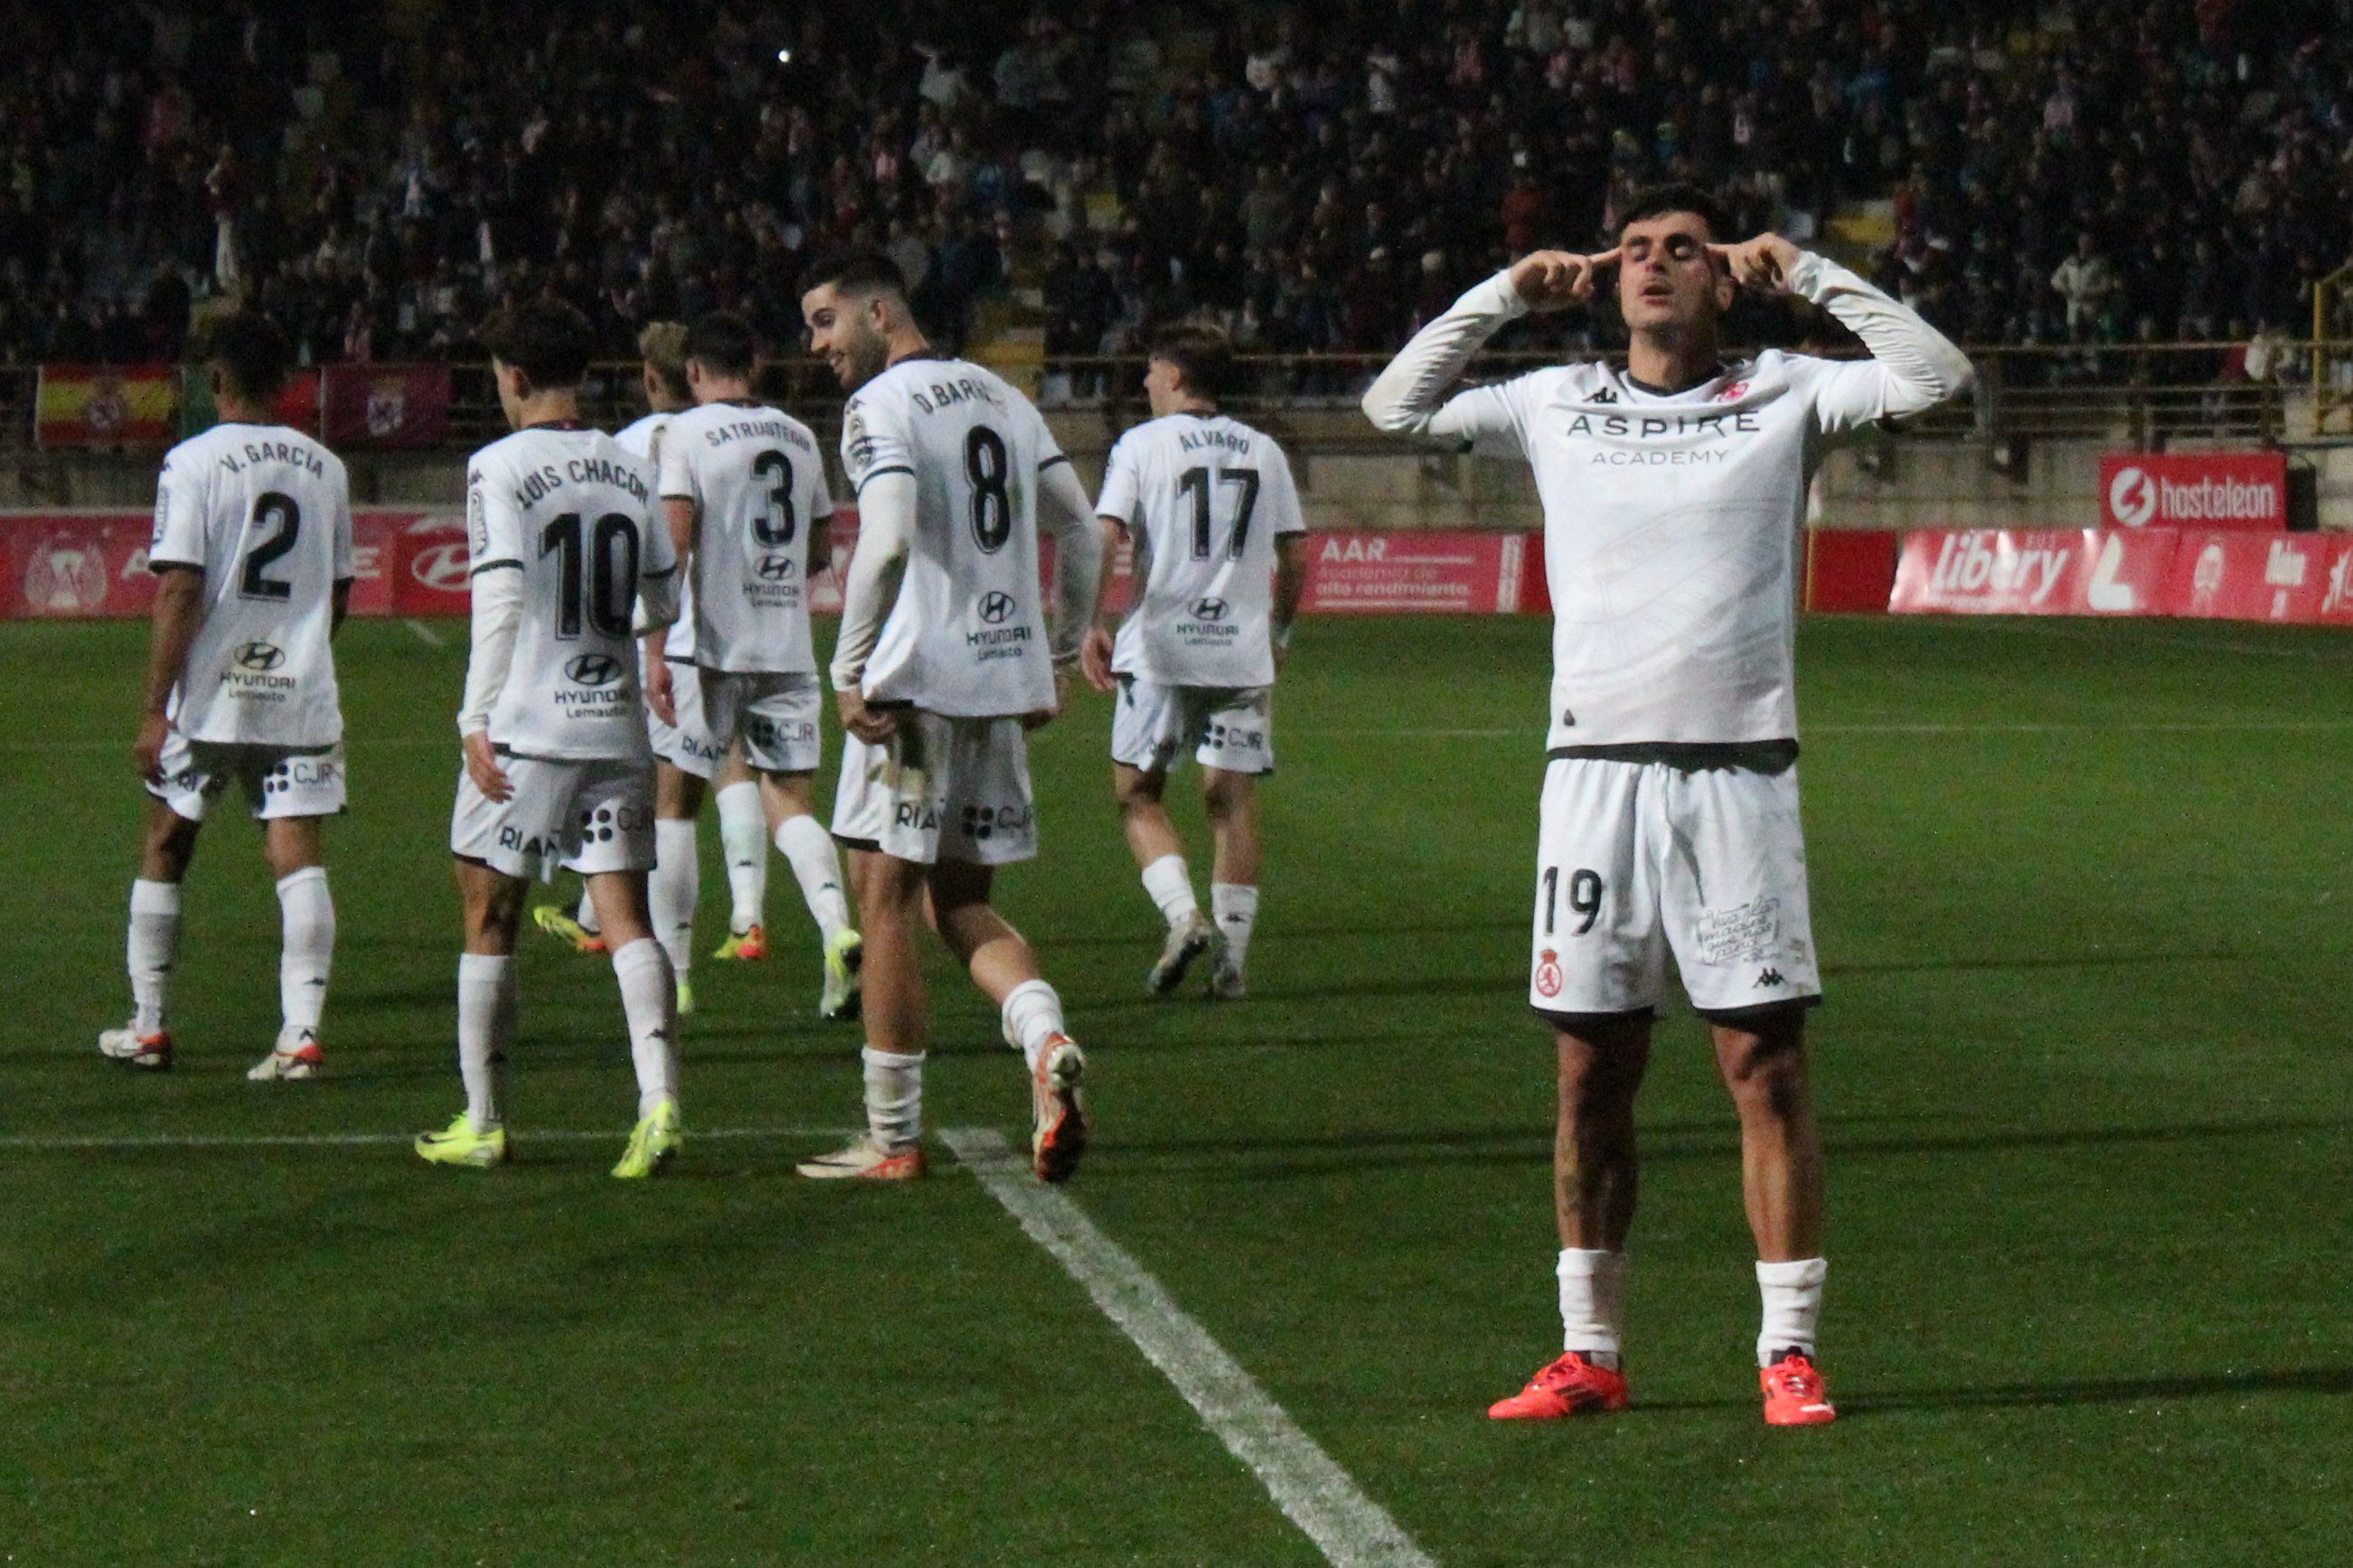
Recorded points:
(1548, 973)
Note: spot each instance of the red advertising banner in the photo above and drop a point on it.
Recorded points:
(1430, 574)
(2193, 489)
(386, 404)
(1850, 569)
(2245, 576)
(2039, 572)
(107, 405)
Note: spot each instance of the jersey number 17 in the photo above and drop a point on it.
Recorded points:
(1195, 484)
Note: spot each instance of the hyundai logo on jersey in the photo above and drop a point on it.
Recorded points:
(260, 656)
(772, 568)
(1208, 609)
(593, 670)
(996, 609)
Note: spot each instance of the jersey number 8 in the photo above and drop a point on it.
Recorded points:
(992, 508)
(598, 584)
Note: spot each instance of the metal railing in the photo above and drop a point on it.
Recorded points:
(2142, 396)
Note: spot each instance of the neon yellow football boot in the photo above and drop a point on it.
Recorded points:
(657, 1138)
(843, 955)
(460, 1144)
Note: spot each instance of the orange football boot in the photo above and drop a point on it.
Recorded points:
(1569, 1386)
(1794, 1394)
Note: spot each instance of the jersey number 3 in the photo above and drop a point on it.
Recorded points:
(774, 523)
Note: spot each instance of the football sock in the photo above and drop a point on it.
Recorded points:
(650, 1001)
(744, 839)
(1793, 1305)
(1033, 1014)
(1592, 1303)
(154, 934)
(1171, 887)
(486, 1016)
(1235, 905)
(894, 1098)
(586, 916)
(676, 883)
(307, 919)
(817, 865)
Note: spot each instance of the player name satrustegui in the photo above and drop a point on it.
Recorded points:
(758, 430)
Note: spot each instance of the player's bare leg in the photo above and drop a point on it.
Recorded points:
(1004, 966)
(1160, 853)
(1762, 1062)
(1602, 1058)
(167, 846)
(790, 800)
(1230, 799)
(744, 836)
(676, 884)
(295, 848)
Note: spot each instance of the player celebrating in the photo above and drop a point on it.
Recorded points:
(563, 546)
(943, 660)
(744, 488)
(1673, 489)
(1211, 506)
(252, 553)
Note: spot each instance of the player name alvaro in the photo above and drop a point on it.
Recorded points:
(538, 485)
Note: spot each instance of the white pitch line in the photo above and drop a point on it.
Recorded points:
(2187, 726)
(426, 634)
(1319, 1496)
(354, 1140)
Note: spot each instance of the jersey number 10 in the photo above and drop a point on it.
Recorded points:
(598, 584)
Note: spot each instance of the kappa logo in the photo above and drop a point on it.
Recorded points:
(593, 670)
(1769, 979)
(260, 656)
(996, 609)
(441, 567)
(774, 568)
(1607, 394)
(1209, 609)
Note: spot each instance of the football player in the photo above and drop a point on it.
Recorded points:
(252, 553)
(942, 663)
(1208, 504)
(563, 546)
(1673, 487)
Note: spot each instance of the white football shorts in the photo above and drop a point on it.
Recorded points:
(1639, 859)
(278, 781)
(1226, 727)
(939, 789)
(776, 716)
(585, 816)
(685, 745)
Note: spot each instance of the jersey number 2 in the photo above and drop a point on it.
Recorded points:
(1195, 483)
(280, 514)
(598, 584)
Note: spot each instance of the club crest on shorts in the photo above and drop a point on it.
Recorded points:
(1548, 973)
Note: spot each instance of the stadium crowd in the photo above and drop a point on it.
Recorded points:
(1322, 177)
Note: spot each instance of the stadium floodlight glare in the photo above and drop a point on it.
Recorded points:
(783, 57)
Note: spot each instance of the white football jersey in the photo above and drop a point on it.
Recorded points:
(644, 438)
(1203, 498)
(574, 511)
(757, 481)
(966, 636)
(1671, 529)
(265, 512)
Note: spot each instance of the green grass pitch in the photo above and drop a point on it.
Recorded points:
(2082, 891)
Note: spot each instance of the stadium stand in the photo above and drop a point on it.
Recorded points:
(1321, 176)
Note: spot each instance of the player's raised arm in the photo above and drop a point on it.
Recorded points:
(1408, 397)
(1912, 366)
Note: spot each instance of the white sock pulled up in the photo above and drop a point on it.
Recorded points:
(487, 1009)
(743, 840)
(894, 1098)
(306, 913)
(1235, 906)
(1170, 883)
(817, 866)
(673, 889)
(649, 1002)
(154, 937)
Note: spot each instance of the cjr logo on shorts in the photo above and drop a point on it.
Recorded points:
(996, 609)
(772, 568)
(260, 656)
(593, 670)
(1208, 609)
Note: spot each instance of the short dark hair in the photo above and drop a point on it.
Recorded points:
(1202, 354)
(252, 353)
(722, 341)
(547, 340)
(856, 271)
(1659, 200)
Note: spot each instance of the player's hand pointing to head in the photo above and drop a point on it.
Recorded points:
(1765, 262)
(1557, 280)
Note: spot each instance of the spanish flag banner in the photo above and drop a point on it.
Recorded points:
(298, 406)
(107, 405)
